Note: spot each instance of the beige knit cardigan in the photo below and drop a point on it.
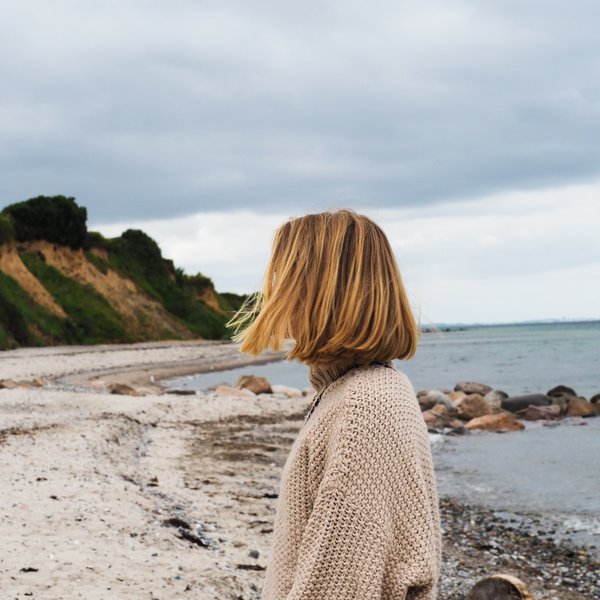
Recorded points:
(357, 515)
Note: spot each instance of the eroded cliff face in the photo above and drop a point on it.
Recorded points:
(146, 317)
(12, 265)
(210, 297)
(145, 314)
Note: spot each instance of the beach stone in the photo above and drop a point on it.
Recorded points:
(434, 420)
(436, 397)
(561, 390)
(258, 385)
(499, 587)
(454, 396)
(472, 387)
(39, 382)
(440, 409)
(8, 384)
(458, 430)
(426, 402)
(595, 400)
(471, 406)
(562, 402)
(422, 393)
(441, 397)
(97, 384)
(234, 392)
(309, 391)
(541, 413)
(515, 403)
(290, 392)
(494, 399)
(180, 391)
(580, 407)
(123, 388)
(497, 422)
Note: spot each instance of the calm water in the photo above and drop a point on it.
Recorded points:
(518, 359)
(548, 471)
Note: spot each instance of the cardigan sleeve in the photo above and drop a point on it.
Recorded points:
(374, 527)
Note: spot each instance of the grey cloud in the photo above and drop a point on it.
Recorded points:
(151, 109)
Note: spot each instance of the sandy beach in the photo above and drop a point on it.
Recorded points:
(163, 496)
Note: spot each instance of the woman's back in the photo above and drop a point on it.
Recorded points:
(357, 514)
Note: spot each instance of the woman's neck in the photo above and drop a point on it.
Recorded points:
(320, 376)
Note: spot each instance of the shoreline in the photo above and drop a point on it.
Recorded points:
(147, 371)
(152, 496)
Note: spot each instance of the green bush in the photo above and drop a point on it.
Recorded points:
(230, 301)
(200, 283)
(7, 228)
(57, 219)
(94, 239)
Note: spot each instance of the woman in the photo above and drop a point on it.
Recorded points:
(357, 514)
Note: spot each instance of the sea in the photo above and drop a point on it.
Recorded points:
(545, 478)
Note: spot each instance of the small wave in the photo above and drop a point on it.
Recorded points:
(581, 523)
(435, 438)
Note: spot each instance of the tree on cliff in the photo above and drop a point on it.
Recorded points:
(57, 219)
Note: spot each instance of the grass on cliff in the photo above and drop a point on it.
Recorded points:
(137, 256)
(92, 319)
(23, 322)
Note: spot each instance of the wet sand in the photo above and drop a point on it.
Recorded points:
(165, 496)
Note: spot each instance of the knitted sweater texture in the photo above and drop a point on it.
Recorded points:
(357, 515)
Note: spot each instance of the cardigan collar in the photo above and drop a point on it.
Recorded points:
(321, 376)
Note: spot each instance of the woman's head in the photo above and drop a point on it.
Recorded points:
(333, 285)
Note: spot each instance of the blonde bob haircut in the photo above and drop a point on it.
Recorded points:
(333, 286)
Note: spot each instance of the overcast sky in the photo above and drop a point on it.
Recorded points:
(469, 130)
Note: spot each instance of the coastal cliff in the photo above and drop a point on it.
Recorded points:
(63, 284)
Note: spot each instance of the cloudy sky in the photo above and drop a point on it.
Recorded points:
(469, 130)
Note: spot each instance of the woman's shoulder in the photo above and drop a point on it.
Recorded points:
(379, 404)
(379, 376)
(379, 386)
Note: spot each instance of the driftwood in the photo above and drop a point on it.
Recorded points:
(499, 587)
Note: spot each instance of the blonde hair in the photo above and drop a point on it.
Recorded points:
(334, 286)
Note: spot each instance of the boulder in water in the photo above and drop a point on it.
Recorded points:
(494, 399)
(454, 396)
(471, 406)
(426, 402)
(497, 422)
(515, 403)
(562, 402)
(580, 407)
(541, 413)
(258, 385)
(561, 390)
(434, 397)
(435, 418)
(472, 387)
